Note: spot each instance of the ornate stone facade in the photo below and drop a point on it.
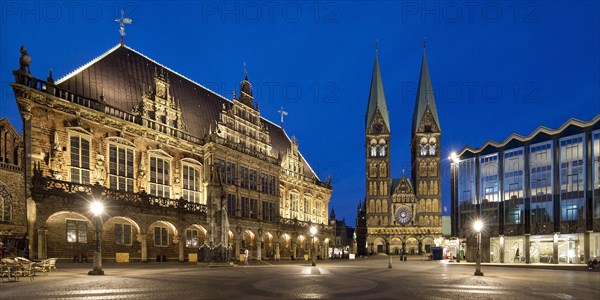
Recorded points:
(13, 208)
(149, 143)
(401, 215)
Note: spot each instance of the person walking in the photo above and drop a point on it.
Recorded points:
(246, 256)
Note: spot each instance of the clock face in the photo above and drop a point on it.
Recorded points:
(403, 214)
(378, 128)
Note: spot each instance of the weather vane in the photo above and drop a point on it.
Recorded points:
(122, 21)
(282, 113)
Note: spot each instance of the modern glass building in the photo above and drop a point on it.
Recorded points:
(538, 196)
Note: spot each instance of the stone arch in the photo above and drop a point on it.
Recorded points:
(412, 246)
(372, 206)
(422, 169)
(426, 244)
(120, 234)
(435, 206)
(285, 245)
(383, 169)
(161, 240)
(428, 205)
(372, 169)
(379, 245)
(201, 237)
(422, 205)
(432, 169)
(302, 245)
(6, 203)
(69, 234)
(378, 206)
(395, 245)
(384, 206)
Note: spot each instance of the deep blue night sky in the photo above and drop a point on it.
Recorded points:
(497, 67)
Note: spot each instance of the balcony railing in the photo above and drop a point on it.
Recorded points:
(43, 86)
(47, 185)
(243, 149)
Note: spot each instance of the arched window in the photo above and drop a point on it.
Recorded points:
(373, 151)
(382, 150)
(5, 204)
(423, 149)
(432, 149)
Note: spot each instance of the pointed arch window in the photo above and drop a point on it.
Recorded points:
(382, 150)
(373, 150)
(5, 204)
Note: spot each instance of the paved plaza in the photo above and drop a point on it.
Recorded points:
(340, 279)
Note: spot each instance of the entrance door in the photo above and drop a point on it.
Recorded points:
(379, 248)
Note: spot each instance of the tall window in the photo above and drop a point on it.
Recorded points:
(122, 234)
(191, 184)
(540, 164)
(244, 180)
(294, 203)
(5, 204)
(249, 208)
(382, 150)
(120, 168)
(230, 173)
(307, 208)
(80, 159)
(161, 236)
(76, 231)
(513, 186)
(596, 172)
(191, 238)
(466, 190)
(373, 150)
(252, 178)
(268, 211)
(318, 208)
(160, 183)
(572, 175)
(489, 178)
(231, 205)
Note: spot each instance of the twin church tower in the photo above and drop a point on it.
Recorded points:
(401, 215)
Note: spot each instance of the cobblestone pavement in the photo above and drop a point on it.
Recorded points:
(357, 279)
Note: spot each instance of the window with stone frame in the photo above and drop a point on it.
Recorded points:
(76, 231)
(80, 159)
(231, 205)
(191, 182)
(160, 178)
(122, 233)
(5, 204)
(294, 205)
(191, 238)
(161, 236)
(120, 167)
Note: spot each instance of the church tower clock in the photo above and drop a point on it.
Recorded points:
(377, 151)
(425, 152)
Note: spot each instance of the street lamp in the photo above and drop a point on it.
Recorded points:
(97, 209)
(454, 160)
(313, 232)
(478, 226)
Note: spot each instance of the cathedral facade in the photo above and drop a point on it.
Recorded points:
(178, 167)
(401, 215)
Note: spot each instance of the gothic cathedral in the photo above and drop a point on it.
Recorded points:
(401, 215)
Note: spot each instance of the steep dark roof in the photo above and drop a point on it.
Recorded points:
(377, 98)
(425, 97)
(123, 74)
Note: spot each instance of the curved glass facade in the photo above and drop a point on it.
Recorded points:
(538, 196)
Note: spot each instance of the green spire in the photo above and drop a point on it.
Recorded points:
(377, 98)
(425, 97)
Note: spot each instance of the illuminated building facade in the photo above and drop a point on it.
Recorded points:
(166, 155)
(538, 196)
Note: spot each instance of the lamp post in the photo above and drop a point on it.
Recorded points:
(478, 226)
(97, 209)
(313, 232)
(454, 160)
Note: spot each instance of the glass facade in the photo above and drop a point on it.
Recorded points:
(514, 176)
(572, 175)
(596, 173)
(466, 190)
(489, 188)
(539, 197)
(541, 182)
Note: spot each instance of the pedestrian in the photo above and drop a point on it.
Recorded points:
(246, 256)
